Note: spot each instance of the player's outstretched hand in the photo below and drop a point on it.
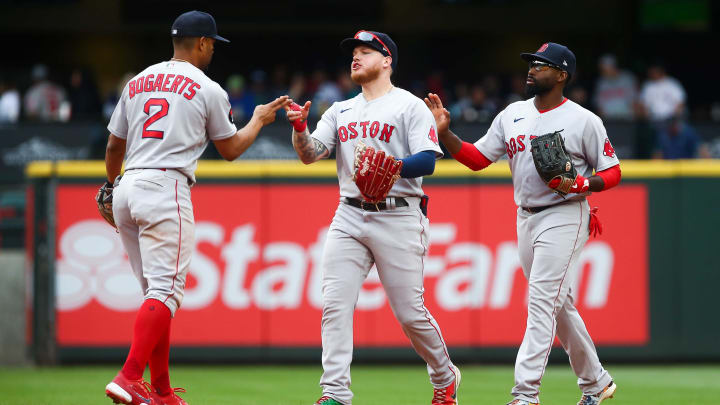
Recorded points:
(442, 115)
(266, 112)
(298, 115)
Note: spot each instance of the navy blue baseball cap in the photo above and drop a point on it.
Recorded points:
(195, 24)
(555, 54)
(376, 40)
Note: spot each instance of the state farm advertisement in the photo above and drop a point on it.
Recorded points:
(255, 275)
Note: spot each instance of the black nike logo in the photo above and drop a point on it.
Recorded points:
(518, 119)
(342, 111)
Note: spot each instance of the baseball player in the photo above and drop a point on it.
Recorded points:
(162, 123)
(551, 228)
(392, 233)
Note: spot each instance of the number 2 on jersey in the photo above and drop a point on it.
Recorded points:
(164, 107)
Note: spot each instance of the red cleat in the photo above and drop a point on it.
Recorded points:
(130, 392)
(169, 399)
(447, 395)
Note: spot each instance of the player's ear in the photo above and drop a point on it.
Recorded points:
(388, 61)
(562, 76)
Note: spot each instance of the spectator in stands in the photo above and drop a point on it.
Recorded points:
(298, 87)
(645, 137)
(615, 90)
(662, 96)
(112, 99)
(327, 93)
(481, 109)
(45, 100)
(462, 101)
(578, 95)
(241, 101)
(9, 101)
(83, 96)
(677, 140)
(517, 89)
(278, 81)
(435, 83)
(491, 85)
(258, 87)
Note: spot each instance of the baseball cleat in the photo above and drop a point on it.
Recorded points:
(595, 399)
(326, 400)
(522, 402)
(447, 395)
(130, 392)
(169, 399)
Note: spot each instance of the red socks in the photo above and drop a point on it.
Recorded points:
(150, 336)
(159, 360)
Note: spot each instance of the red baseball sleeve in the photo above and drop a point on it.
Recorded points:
(610, 176)
(471, 157)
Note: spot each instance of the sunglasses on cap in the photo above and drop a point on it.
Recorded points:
(366, 36)
(539, 66)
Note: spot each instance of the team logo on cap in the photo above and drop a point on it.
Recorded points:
(542, 48)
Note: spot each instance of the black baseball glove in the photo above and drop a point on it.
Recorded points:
(553, 162)
(104, 200)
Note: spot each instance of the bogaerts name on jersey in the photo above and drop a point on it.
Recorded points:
(169, 83)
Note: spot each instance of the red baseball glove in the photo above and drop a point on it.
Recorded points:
(375, 172)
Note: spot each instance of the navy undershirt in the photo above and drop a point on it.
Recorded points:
(419, 164)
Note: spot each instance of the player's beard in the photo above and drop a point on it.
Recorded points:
(537, 88)
(366, 76)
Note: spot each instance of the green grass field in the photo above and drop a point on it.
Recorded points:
(373, 385)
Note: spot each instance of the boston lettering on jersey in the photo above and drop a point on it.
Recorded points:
(517, 144)
(514, 146)
(164, 83)
(353, 129)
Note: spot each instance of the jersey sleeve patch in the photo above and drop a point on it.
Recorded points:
(432, 135)
(230, 117)
(608, 149)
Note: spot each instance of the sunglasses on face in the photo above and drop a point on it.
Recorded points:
(539, 66)
(366, 36)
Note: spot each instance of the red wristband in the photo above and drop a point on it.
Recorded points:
(298, 124)
(581, 185)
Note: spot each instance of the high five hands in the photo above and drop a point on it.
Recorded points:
(298, 115)
(265, 113)
(442, 115)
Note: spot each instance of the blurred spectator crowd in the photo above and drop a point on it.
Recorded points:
(655, 103)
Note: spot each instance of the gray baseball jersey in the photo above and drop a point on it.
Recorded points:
(397, 123)
(511, 131)
(395, 240)
(168, 113)
(550, 240)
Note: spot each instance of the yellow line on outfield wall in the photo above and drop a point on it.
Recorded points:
(292, 168)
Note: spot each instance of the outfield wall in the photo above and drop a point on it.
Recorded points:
(253, 293)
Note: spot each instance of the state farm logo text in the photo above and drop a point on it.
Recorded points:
(92, 265)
